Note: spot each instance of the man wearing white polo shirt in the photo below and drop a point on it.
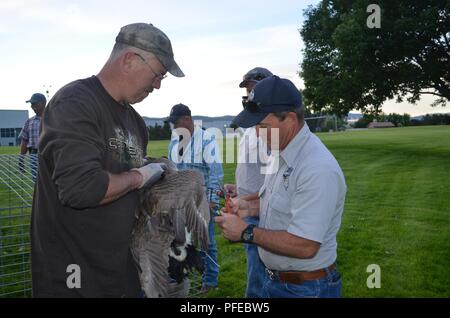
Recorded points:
(249, 179)
(300, 205)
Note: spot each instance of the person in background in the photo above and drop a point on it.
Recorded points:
(191, 147)
(30, 134)
(249, 179)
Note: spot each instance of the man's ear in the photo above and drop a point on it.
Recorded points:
(127, 61)
(292, 116)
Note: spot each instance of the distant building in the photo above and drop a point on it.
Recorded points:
(352, 118)
(383, 124)
(11, 123)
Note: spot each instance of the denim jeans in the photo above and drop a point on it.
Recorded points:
(255, 267)
(33, 166)
(211, 272)
(326, 287)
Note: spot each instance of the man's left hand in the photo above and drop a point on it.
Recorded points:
(232, 226)
(212, 205)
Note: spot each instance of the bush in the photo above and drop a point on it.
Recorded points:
(159, 132)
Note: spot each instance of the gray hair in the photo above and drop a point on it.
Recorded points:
(118, 50)
(300, 112)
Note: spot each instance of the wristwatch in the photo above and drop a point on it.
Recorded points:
(247, 234)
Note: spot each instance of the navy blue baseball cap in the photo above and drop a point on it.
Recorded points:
(255, 74)
(37, 98)
(177, 111)
(271, 95)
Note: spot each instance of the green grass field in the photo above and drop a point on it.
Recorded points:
(397, 213)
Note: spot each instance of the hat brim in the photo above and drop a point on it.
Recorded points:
(246, 119)
(170, 65)
(245, 82)
(173, 119)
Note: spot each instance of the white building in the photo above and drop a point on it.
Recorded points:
(11, 123)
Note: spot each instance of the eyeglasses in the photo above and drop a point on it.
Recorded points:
(159, 77)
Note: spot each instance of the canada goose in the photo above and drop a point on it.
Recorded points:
(172, 223)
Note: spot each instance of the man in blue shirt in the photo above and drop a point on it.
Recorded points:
(191, 147)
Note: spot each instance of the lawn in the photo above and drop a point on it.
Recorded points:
(396, 215)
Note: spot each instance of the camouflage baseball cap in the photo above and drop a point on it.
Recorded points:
(151, 39)
(255, 74)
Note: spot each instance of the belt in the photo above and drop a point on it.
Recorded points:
(299, 277)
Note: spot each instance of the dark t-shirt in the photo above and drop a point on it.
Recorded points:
(85, 134)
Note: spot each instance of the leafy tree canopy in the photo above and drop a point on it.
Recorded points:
(347, 65)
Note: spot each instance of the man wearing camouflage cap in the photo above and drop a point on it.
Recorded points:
(91, 149)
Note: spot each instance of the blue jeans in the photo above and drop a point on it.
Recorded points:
(33, 166)
(211, 272)
(255, 267)
(326, 287)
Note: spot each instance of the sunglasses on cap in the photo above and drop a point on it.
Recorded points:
(249, 105)
(255, 77)
(256, 107)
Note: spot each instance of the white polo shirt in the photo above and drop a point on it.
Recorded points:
(249, 178)
(305, 198)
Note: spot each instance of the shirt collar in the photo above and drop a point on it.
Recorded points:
(291, 153)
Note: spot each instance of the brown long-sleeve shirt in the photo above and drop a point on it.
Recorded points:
(85, 134)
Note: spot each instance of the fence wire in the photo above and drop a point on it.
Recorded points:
(17, 175)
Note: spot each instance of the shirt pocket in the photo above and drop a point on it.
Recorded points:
(279, 215)
(280, 204)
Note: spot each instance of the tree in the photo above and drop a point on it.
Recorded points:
(159, 132)
(347, 65)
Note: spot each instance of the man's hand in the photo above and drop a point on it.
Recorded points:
(228, 190)
(232, 226)
(231, 190)
(150, 173)
(240, 207)
(212, 205)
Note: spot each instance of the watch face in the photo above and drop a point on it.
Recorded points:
(247, 235)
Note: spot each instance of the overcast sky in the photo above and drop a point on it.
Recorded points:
(47, 44)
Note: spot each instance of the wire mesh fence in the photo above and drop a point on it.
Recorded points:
(17, 175)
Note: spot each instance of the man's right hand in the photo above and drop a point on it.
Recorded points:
(150, 173)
